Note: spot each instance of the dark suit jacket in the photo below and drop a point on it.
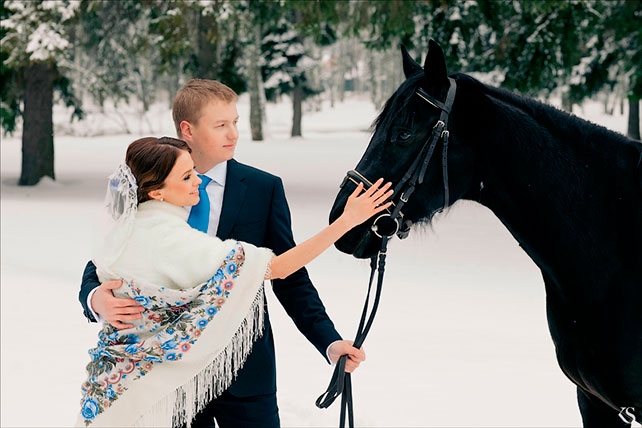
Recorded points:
(255, 210)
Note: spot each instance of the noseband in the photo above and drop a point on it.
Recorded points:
(340, 384)
(416, 173)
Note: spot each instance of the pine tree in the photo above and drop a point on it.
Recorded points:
(286, 63)
(35, 48)
(115, 58)
(255, 16)
(201, 39)
(540, 44)
(612, 58)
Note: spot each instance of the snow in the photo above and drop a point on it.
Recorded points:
(295, 49)
(65, 8)
(272, 37)
(579, 71)
(44, 38)
(460, 338)
(456, 38)
(306, 63)
(277, 61)
(276, 79)
(44, 41)
(533, 38)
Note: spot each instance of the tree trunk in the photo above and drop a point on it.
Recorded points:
(634, 119)
(297, 111)
(341, 71)
(206, 50)
(621, 106)
(255, 87)
(37, 133)
(332, 77)
(372, 77)
(567, 105)
(174, 83)
(608, 106)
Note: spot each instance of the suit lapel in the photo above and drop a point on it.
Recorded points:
(232, 199)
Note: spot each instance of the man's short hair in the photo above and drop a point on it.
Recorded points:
(194, 96)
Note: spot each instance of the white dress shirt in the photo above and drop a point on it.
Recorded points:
(215, 190)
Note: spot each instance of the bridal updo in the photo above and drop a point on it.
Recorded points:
(151, 159)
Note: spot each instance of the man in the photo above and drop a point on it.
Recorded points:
(245, 204)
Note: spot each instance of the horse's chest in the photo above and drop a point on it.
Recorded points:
(596, 360)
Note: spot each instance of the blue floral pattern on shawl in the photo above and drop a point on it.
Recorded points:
(172, 323)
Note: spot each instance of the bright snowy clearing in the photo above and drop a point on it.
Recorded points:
(460, 340)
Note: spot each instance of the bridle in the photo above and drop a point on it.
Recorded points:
(416, 172)
(340, 384)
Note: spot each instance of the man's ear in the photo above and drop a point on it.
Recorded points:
(156, 194)
(186, 131)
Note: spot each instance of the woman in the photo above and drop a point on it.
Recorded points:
(203, 296)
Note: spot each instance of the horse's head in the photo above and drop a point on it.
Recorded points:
(402, 138)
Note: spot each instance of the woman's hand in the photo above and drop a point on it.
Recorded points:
(358, 209)
(361, 206)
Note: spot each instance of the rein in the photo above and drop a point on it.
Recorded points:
(340, 383)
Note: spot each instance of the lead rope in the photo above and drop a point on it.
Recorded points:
(340, 383)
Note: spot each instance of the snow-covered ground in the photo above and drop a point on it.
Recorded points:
(461, 338)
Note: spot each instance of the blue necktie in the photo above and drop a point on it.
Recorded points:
(199, 216)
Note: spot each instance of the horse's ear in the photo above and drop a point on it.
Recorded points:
(435, 65)
(410, 66)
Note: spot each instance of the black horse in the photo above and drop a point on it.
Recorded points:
(569, 191)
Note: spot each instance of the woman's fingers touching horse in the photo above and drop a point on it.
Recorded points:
(373, 188)
(361, 206)
(382, 207)
(381, 199)
(356, 192)
(380, 190)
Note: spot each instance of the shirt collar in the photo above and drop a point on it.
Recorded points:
(218, 173)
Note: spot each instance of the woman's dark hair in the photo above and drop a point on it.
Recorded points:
(151, 159)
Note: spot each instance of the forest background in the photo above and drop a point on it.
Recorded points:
(97, 55)
(88, 77)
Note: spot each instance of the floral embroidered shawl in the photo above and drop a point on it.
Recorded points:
(183, 353)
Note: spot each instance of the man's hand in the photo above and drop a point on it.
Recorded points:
(342, 347)
(112, 309)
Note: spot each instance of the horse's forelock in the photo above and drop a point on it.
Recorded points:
(395, 109)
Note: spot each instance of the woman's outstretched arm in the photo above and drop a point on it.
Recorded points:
(359, 208)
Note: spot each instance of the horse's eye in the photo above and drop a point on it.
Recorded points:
(404, 135)
(401, 136)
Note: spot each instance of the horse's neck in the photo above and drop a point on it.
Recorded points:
(556, 195)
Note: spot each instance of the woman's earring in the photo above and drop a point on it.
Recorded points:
(161, 199)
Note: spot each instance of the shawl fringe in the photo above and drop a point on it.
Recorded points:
(180, 407)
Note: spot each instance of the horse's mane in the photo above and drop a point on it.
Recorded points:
(551, 117)
(528, 115)
(548, 116)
